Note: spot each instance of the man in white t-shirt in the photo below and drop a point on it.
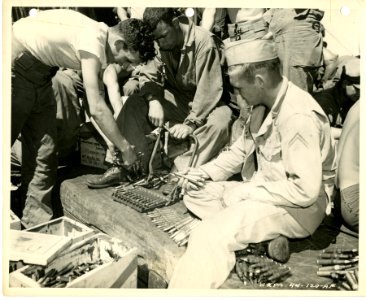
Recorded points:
(41, 44)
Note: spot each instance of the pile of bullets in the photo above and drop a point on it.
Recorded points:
(341, 265)
(260, 269)
(54, 278)
(178, 226)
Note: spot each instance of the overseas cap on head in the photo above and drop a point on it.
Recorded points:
(243, 51)
(352, 71)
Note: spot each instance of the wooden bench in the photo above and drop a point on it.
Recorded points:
(159, 253)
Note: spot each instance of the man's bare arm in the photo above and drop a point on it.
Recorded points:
(90, 67)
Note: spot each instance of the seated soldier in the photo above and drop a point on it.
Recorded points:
(337, 100)
(347, 177)
(182, 85)
(281, 195)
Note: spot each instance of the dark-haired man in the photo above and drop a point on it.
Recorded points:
(182, 85)
(41, 44)
(280, 195)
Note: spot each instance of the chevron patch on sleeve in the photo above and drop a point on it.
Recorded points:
(298, 138)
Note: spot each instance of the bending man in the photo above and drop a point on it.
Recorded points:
(41, 44)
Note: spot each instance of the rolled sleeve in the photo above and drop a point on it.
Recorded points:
(228, 162)
(151, 79)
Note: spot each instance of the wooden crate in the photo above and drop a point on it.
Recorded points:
(14, 221)
(64, 226)
(121, 273)
(92, 147)
(35, 248)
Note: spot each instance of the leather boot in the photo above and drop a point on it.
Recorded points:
(279, 249)
(112, 177)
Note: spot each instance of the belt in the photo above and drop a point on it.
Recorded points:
(33, 69)
(238, 30)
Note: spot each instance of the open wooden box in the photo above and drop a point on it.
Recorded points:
(119, 271)
(64, 226)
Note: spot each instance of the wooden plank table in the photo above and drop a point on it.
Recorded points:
(97, 209)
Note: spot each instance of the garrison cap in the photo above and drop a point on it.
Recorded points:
(250, 51)
(352, 71)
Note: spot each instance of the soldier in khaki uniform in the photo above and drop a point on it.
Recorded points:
(287, 161)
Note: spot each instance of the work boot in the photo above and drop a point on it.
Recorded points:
(112, 177)
(279, 249)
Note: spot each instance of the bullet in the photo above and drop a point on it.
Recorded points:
(167, 228)
(335, 267)
(51, 273)
(183, 222)
(66, 269)
(346, 286)
(238, 269)
(328, 273)
(195, 180)
(252, 259)
(341, 251)
(60, 285)
(336, 255)
(182, 243)
(263, 269)
(280, 273)
(30, 270)
(351, 281)
(50, 282)
(336, 261)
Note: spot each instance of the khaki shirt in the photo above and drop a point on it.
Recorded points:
(197, 83)
(290, 161)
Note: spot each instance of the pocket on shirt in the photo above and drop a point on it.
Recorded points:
(270, 153)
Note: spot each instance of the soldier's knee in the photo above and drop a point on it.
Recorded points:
(204, 233)
(220, 119)
(134, 103)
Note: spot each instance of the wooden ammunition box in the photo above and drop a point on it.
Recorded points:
(117, 272)
(92, 147)
(35, 248)
(14, 221)
(64, 226)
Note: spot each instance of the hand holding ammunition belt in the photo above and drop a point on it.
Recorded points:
(137, 194)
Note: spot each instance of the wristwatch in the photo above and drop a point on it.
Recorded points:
(190, 124)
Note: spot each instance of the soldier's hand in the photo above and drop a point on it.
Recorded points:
(180, 131)
(192, 179)
(156, 113)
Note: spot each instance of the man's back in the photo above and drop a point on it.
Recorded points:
(55, 37)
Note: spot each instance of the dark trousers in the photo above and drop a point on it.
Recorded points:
(33, 115)
(212, 136)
